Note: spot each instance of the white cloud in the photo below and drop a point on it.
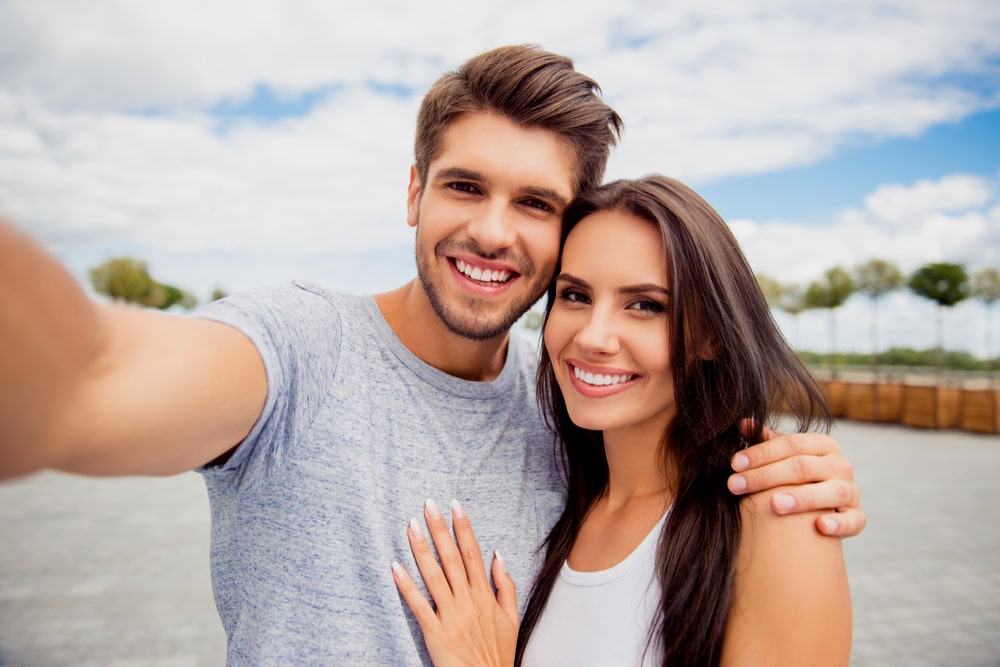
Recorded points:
(108, 143)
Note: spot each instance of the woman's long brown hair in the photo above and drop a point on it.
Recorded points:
(731, 363)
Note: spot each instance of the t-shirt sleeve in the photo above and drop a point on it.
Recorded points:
(297, 332)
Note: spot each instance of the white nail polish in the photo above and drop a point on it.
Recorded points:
(500, 560)
(432, 508)
(456, 509)
(415, 530)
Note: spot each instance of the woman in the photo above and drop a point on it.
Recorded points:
(658, 343)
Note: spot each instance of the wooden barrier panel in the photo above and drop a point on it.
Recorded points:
(929, 406)
(869, 402)
(980, 411)
(835, 392)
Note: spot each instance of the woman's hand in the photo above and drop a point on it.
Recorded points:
(813, 462)
(472, 625)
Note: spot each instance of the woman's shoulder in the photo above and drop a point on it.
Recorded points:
(791, 603)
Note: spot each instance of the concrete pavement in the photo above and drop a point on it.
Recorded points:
(115, 572)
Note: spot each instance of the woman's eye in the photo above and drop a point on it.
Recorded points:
(648, 306)
(573, 296)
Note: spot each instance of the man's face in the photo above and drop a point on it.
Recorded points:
(488, 221)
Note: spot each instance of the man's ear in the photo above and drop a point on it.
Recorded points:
(413, 197)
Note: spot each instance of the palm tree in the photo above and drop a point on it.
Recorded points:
(830, 292)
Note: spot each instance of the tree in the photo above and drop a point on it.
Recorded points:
(874, 279)
(788, 298)
(127, 279)
(830, 292)
(944, 283)
(986, 288)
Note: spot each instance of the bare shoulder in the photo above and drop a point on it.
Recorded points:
(791, 603)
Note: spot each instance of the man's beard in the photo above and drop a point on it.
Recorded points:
(465, 321)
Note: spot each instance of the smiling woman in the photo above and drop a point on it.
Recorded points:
(657, 345)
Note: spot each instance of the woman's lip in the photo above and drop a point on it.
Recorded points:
(617, 385)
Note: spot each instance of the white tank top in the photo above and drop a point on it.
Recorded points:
(600, 619)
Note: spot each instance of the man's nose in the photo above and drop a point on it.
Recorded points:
(493, 227)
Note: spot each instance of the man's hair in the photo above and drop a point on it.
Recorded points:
(532, 88)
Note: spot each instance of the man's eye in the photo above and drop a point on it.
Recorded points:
(540, 205)
(463, 187)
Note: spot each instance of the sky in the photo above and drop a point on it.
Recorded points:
(238, 145)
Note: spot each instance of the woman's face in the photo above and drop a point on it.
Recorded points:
(607, 331)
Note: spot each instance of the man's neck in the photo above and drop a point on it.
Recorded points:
(411, 317)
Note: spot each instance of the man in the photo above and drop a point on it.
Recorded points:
(321, 421)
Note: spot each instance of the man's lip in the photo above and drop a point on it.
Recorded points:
(491, 275)
(481, 263)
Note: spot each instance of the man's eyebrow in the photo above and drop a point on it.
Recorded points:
(460, 173)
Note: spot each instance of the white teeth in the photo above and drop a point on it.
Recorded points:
(599, 379)
(482, 275)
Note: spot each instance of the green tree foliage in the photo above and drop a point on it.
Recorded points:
(770, 288)
(876, 278)
(788, 298)
(986, 288)
(127, 279)
(830, 292)
(944, 283)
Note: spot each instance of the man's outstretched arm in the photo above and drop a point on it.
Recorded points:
(110, 389)
(824, 479)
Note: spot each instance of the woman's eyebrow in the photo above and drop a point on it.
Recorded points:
(642, 288)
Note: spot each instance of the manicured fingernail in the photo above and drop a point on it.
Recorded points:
(741, 462)
(499, 559)
(433, 511)
(415, 530)
(398, 571)
(456, 510)
(737, 483)
(829, 526)
(784, 502)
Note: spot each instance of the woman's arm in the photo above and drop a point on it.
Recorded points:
(471, 625)
(791, 602)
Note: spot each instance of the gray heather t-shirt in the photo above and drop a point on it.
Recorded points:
(310, 511)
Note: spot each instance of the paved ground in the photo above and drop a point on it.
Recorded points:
(115, 572)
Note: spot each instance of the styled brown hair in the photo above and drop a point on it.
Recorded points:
(729, 361)
(531, 87)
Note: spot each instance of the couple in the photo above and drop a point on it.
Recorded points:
(657, 343)
(317, 419)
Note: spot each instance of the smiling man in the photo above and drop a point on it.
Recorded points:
(320, 420)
